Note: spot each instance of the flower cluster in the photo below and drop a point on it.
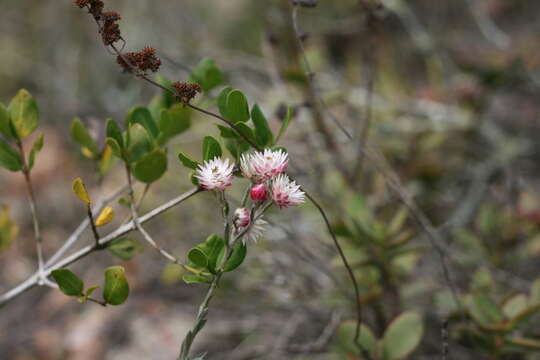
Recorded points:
(185, 92)
(265, 169)
(143, 60)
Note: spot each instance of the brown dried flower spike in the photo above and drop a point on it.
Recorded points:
(142, 61)
(185, 92)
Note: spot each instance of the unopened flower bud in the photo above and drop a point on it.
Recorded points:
(241, 218)
(259, 193)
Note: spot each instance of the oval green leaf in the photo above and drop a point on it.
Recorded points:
(141, 115)
(263, 134)
(116, 289)
(68, 282)
(237, 107)
(211, 148)
(402, 336)
(23, 112)
(80, 134)
(151, 167)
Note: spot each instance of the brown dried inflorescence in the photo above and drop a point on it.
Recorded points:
(143, 60)
(185, 92)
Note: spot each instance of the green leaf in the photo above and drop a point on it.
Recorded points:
(139, 142)
(246, 132)
(173, 121)
(197, 257)
(69, 283)
(237, 257)
(402, 336)
(5, 122)
(263, 134)
(9, 158)
(91, 290)
(211, 148)
(226, 132)
(114, 132)
(523, 316)
(222, 100)
(24, 113)
(8, 228)
(125, 248)
(237, 108)
(207, 74)
(213, 246)
(515, 305)
(151, 167)
(285, 124)
(80, 134)
(141, 115)
(344, 340)
(117, 151)
(196, 279)
(38, 145)
(106, 159)
(484, 311)
(116, 289)
(187, 161)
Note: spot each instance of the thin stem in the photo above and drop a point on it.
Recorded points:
(93, 225)
(200, 321)
(102, 303)
(33, 210)
(349, 271)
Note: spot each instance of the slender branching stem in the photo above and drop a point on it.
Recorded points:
(33, 211)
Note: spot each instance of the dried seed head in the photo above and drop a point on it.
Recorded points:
(185, 92)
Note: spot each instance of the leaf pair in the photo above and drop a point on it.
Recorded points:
(115, 289)
(17, 121)
(209, 256)
(400, 339)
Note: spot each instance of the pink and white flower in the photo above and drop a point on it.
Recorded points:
(261, 166)
(215, 174)
(285, 192)
(242, 220)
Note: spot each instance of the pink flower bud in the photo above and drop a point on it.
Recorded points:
(241, 218)
(258, 192)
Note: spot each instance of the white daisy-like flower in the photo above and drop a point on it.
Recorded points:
(261, 166)
(215, 174)
(242, 219)
(285, 192)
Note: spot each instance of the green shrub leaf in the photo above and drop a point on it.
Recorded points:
(237, 108)
(151, 166)
(125, 248)
(173, 121)
(68, 282)
(9, 158)
(116, 289)
(80, 134)
(207, 74)
(263, 134)
(23, 112)
(210, 148)
(36, 148)
(141, 115)
(402, 336)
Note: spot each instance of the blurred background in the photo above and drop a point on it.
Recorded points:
(442, 96)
